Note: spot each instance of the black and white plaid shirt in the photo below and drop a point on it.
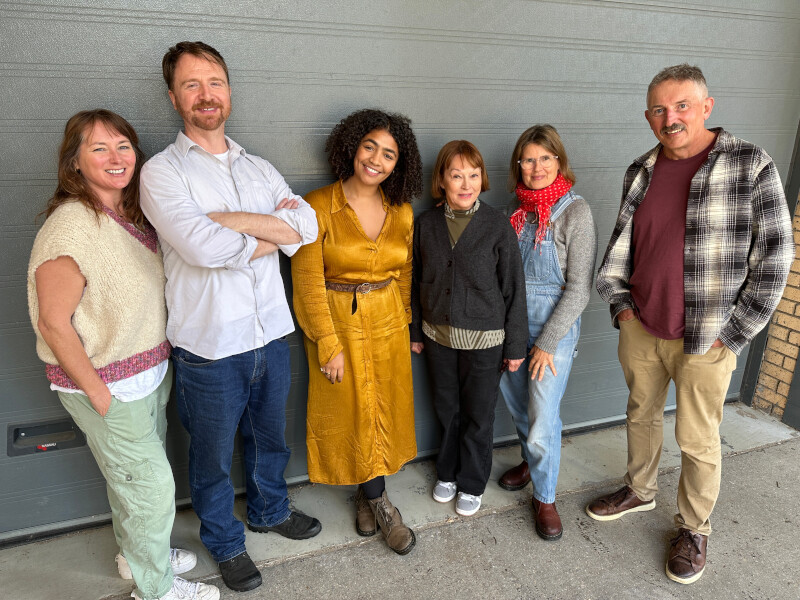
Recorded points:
(738, 246)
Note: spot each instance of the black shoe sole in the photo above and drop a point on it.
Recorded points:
(245, 587)
(512, 488)
(307, 534)
(244, 581)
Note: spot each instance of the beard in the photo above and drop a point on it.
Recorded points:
(205, 122)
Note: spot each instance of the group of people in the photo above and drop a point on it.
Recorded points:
(695, 266)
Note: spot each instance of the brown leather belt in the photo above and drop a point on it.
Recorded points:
(357, 288)
(361, 288)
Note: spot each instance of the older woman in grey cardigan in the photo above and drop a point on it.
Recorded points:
(468, 308)
(558, 243)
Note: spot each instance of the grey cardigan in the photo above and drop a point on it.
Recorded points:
(477, 285)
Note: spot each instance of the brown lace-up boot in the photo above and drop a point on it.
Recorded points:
(365, 518)
(399, 537)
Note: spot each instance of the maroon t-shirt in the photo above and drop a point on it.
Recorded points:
(659, 225)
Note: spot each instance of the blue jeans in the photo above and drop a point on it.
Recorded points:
(247, 391)
(536, 409)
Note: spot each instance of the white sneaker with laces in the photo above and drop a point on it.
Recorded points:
(444, 491)
(467, 504)
(187, 590)
(180, 560)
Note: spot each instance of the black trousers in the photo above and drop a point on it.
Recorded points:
(465, 384)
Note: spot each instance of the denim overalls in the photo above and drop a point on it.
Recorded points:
(535, 405)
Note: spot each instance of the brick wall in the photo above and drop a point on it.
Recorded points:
(783, 341)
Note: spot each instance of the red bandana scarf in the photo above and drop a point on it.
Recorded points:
(540, 201)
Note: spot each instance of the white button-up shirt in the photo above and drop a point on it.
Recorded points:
(219, 302)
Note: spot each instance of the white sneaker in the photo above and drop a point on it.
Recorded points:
(444, 491)
(187, 590)
(467, 504)
(180, 560)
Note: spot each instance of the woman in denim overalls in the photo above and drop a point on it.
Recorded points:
(558, 243)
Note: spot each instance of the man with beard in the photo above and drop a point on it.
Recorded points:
(221, 215)
(696, 265)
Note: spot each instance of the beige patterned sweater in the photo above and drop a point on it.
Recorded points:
(121, 318)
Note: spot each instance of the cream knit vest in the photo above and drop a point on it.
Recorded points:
(121, 318)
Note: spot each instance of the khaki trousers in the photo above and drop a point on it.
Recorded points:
(701, 382)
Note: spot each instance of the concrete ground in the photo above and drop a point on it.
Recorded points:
(753, 553)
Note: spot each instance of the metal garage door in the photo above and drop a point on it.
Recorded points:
(481, 71)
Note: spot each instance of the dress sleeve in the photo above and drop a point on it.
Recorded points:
(310, 296)
(404, 282)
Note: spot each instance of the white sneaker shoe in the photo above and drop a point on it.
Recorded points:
(467, 504)
(180, 560)
(444, 491)
(187, 590)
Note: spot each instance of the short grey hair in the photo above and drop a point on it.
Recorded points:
(681, 72)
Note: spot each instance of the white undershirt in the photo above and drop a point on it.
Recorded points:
(224, 157)
(132, 388)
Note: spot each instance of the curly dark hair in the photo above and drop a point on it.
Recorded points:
(405, 182)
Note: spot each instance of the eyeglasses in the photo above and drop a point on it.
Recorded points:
(530, 163)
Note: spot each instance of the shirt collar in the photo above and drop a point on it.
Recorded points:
(724, 143)
(184, 144)
(450, 213)
(339, 200)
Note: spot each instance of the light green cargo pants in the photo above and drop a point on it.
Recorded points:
(128, 445)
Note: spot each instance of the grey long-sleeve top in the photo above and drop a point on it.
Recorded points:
(575, 237)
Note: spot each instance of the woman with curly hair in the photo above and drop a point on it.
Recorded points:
(352, 298)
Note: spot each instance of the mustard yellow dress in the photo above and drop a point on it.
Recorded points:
(362, 427)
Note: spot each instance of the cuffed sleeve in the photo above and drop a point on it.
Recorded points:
(302, 219)
(168, 204)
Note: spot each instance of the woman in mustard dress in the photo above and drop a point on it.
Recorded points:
(352, 298)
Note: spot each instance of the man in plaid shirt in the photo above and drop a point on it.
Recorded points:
(695, 266)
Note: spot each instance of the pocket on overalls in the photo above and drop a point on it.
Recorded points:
(538, 264)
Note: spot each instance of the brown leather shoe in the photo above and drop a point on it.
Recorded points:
(515, 478)
(365, 518)
(621, 502)
(548, 523)
(398, 536)
(687, 556)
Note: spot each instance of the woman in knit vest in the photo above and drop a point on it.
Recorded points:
(96, 300)
(558, 243)
(468, 303)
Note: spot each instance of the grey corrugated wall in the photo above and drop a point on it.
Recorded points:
(483, 71)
